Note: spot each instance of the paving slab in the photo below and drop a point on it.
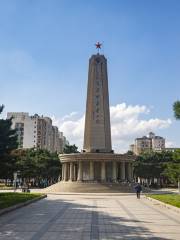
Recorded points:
(91, 217)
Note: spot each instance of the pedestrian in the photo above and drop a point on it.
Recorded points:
(138, 189)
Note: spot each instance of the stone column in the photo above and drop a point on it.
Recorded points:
(132, 172)
(74, 171)
(122, 167)
(65, 172)
(114, 177)
(68, 171)
(129, 171)
(71, 177)
(80, 171)
(103, 171)
(91, 170)
(62, 172)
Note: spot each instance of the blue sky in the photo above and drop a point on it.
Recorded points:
(45, 46)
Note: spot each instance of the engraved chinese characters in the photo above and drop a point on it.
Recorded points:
(97, 136)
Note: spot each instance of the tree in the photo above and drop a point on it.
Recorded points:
(70, 149)
(40, 167)
(129, 152)
(176, 109)
(8, 142)
(172, 170)
(149, 166)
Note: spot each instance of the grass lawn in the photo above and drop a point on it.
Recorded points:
(172, 199)
(12, 198)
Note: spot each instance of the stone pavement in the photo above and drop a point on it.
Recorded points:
(90, 217)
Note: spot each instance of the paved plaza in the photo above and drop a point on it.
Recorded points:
(90, 216)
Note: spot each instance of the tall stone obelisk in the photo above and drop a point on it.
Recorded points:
(97, 133)
(97, 163)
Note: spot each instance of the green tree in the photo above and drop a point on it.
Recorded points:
(152, 165)
(8, 142)
(48, 166)
(40, 167)
(176, 109)
(129, 152)
(172, 170)
(25, 163)
(70, 149)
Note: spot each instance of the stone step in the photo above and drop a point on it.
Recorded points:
(81, 187)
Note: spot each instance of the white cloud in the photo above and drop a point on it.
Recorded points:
(69, 116)
(72, 127)
(170, 144)
(127, 123)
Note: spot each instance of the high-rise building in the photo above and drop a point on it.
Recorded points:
(148, 143)
(41, 133)
(36, 132)
(62, 141)
(49, 134)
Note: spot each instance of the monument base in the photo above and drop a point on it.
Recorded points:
(95, 173)
(97, 167)
(89, 187)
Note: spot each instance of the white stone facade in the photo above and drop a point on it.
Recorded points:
(37, 132)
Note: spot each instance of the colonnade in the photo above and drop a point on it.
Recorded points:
(74, 171)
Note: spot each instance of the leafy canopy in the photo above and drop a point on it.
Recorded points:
(157, 165)
(176, 109)
(40, 164)
(70, 149)
(8, 142)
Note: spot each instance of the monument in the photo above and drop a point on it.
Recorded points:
(97, 134)
(97, 163)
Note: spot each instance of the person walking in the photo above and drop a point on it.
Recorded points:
(138, 189)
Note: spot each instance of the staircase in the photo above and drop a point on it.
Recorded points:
(90, 187)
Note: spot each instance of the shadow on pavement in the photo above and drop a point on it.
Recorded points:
(57, 219)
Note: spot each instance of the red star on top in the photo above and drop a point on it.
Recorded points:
(98, 45)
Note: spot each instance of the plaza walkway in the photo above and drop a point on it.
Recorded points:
(90, 216)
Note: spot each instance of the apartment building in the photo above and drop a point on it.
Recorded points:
(148, 143)
(37, 132)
